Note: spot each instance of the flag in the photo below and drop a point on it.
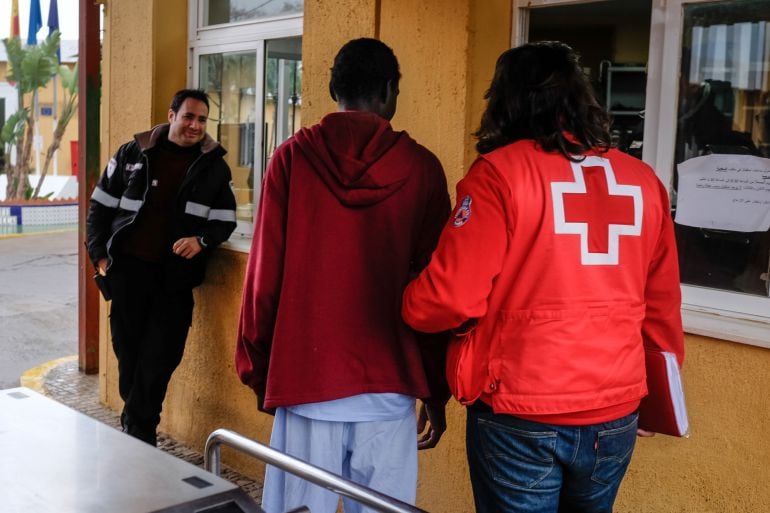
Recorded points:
(53, 23)
(35, 21)
(14, 19)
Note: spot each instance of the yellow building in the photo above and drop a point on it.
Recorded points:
(66, 161)
(656, 64)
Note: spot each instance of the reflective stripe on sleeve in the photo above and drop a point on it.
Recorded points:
(105, 199)
(222, 215)
(130, 204)
(196, 209)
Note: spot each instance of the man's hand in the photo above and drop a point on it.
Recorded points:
(431, 424)
(187, 247)
(261, 406)
(644, 433)
(101, 266)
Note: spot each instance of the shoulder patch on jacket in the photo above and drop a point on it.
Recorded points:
(111, 167)
(462, 212)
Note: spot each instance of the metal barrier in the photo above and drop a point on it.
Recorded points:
(316, 475)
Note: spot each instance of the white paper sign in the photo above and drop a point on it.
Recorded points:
(724, 192)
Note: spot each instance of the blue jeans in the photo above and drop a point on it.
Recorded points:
(522, 466)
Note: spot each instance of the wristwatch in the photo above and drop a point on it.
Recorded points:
(200, 241)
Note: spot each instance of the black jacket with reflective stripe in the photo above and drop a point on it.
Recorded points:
(205, 204)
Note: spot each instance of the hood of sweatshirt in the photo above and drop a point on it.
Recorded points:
(357, 155)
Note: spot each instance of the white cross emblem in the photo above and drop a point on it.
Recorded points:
(606, 207)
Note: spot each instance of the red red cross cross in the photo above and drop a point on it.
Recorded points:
(598, 209)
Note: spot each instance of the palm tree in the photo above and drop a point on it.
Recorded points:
(69, 82)
(31, 69)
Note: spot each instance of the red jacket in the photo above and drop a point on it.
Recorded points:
(349, 211)
(568, 269)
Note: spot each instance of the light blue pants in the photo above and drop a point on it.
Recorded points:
(381, 455)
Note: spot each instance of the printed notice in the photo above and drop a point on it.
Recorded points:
(724, 192)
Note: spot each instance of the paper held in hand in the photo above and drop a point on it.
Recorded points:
(664, 410)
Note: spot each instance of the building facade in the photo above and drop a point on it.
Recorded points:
(65, 163)
(685, 80)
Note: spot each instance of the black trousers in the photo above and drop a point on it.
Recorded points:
(149, 322)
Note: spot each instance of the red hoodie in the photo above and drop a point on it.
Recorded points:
(349, 211)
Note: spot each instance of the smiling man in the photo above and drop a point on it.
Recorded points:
(163, 203)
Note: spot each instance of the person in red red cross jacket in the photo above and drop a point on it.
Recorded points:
(557, 268)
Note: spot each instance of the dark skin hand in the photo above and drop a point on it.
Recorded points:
(431, 424)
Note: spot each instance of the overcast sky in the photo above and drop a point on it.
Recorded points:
(68, 18)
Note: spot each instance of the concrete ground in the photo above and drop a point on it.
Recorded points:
(38, 301)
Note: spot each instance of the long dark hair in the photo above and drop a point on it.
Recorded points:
(540, 92)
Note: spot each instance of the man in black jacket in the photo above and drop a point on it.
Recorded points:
(163, 203)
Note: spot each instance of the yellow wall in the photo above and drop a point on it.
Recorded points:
(45, 98)
(447, 50)
(332, 26)
(722, 467)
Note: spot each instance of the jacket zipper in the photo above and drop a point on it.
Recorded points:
(144, 198)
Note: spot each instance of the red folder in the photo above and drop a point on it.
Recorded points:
(664, 410)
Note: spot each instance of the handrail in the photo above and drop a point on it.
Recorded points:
(316, 475)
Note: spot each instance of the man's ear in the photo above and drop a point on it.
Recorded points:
(331, 93)
(171, 115)
(389, 91)
(385, 93)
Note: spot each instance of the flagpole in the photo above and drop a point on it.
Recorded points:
(53, 125)
(53, 26)
(35, 24)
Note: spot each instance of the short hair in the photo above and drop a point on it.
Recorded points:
(362, 69)
(539, 91)
(181, 95)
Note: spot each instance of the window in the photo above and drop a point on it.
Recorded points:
(723, 110)
(700, 71)
(612, 39)
(283, 93)
(217, 12)
(712, 147)
(247, 55)
(230, 81)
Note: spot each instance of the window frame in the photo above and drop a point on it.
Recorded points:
(242, 36)
(709, 312)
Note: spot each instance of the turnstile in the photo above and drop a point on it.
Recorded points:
(55, 459)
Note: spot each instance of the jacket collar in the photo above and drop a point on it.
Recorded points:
(149, 139)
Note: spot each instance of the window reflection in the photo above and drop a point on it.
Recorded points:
(724, 108)
(283, 92)
(216, 12)
(230, 80)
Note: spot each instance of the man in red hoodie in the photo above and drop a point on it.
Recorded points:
(350, 210)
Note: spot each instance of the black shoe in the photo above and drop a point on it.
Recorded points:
(144, 434)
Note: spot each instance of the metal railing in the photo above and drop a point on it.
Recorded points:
(316, 475)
